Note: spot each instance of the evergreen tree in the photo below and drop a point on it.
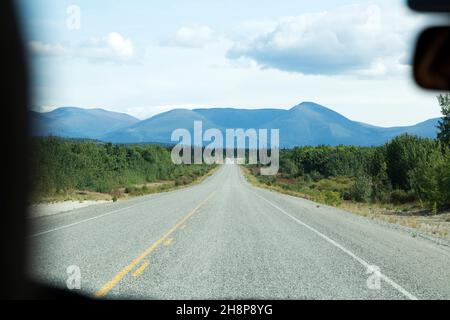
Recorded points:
(444, 123)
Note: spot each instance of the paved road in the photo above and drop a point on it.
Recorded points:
(226, 239)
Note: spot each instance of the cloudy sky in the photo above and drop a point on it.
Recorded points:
(143, 57)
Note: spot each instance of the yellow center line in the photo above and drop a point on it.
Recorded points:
(141, 269)
(168, 242)
(119, 276)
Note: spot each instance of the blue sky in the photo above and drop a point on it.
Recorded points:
(146, 57)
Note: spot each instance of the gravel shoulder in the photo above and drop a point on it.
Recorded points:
(48, 209)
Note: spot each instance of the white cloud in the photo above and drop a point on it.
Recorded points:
(364, 40)
(47, 49)
(190, 37)
(43, 108)
(113, 47)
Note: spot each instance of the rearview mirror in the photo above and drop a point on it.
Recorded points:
(432, 59)
(430, 5)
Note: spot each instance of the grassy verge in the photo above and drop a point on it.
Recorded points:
(411, 215)
(124, 192)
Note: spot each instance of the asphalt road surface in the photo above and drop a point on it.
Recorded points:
(227, 239)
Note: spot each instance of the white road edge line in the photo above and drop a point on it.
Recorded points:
(97, 217)
(83, 221)
(366, 265)
(93, 218)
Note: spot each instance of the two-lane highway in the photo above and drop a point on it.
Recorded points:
(226, 239)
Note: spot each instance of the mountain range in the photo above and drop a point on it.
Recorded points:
(72, 122)
(305, 124)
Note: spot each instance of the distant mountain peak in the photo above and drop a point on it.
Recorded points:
(312, 106)
(308, 105)
(307, 123)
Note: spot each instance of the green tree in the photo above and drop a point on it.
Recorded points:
(63, 164)
(425, 178)
(362, 189)
(431, 180)
(288, 167)
(403, 154)
(444, 123)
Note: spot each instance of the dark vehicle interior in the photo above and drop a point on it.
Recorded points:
(431, 71)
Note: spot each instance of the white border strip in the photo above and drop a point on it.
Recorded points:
(85, 220)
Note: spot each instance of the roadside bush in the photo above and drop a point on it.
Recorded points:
(288, 167)
(314, 176)
(332, 198)
(338, 184)
(116, 194)
(381, 191)
(399, 196)
(130, 190)
(269, 180)
(361, 190)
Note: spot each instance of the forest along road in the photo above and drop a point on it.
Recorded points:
(226, 239)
